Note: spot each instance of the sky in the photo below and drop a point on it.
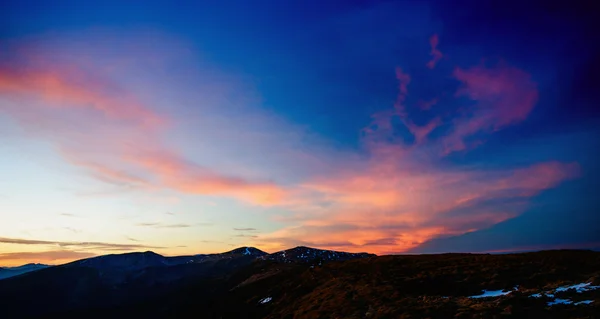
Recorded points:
(366, 126)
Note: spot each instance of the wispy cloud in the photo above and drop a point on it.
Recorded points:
(244, 229)
(179, 225)
(245, 236)
(70, 244)
(428, 104)
(73, 230)
(436, 54)
(175, 226)
(148, 224)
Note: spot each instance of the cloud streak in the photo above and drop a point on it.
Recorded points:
(47, 257)
(161, 225)
(67, 215)
(436, 54)
(78, 245)
(70, 88)
(246, 236)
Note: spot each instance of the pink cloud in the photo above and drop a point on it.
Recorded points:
(381, 125)
(507, 93)
(106, 130)
(435, 53)
(503, 95)
(187, 177)
(70, 88)
(403, 82)
(421, 132)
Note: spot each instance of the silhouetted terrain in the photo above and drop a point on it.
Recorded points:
(310, 283)
(7, 272)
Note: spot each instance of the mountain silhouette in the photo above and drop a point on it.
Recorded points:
(7, 272)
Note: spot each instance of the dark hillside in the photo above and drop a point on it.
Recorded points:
(548, 284)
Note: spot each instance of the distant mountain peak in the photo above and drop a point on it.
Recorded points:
(248, 251)
(131, 261)
(305, 254)
(26, 266)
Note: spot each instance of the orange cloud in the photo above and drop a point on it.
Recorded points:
(403, 195)
(396, 207)
(53, 257)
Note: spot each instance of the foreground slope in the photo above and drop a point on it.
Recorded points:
(438, 286)
(426, 286)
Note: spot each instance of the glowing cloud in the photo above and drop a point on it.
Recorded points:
(504, 95)
(403, 194)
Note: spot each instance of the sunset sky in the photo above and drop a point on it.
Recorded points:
(377, 126)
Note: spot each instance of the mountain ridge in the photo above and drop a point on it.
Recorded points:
(8, 272)
(171, 260)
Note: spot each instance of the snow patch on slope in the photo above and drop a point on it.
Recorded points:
(579, 288)
(492, 293)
